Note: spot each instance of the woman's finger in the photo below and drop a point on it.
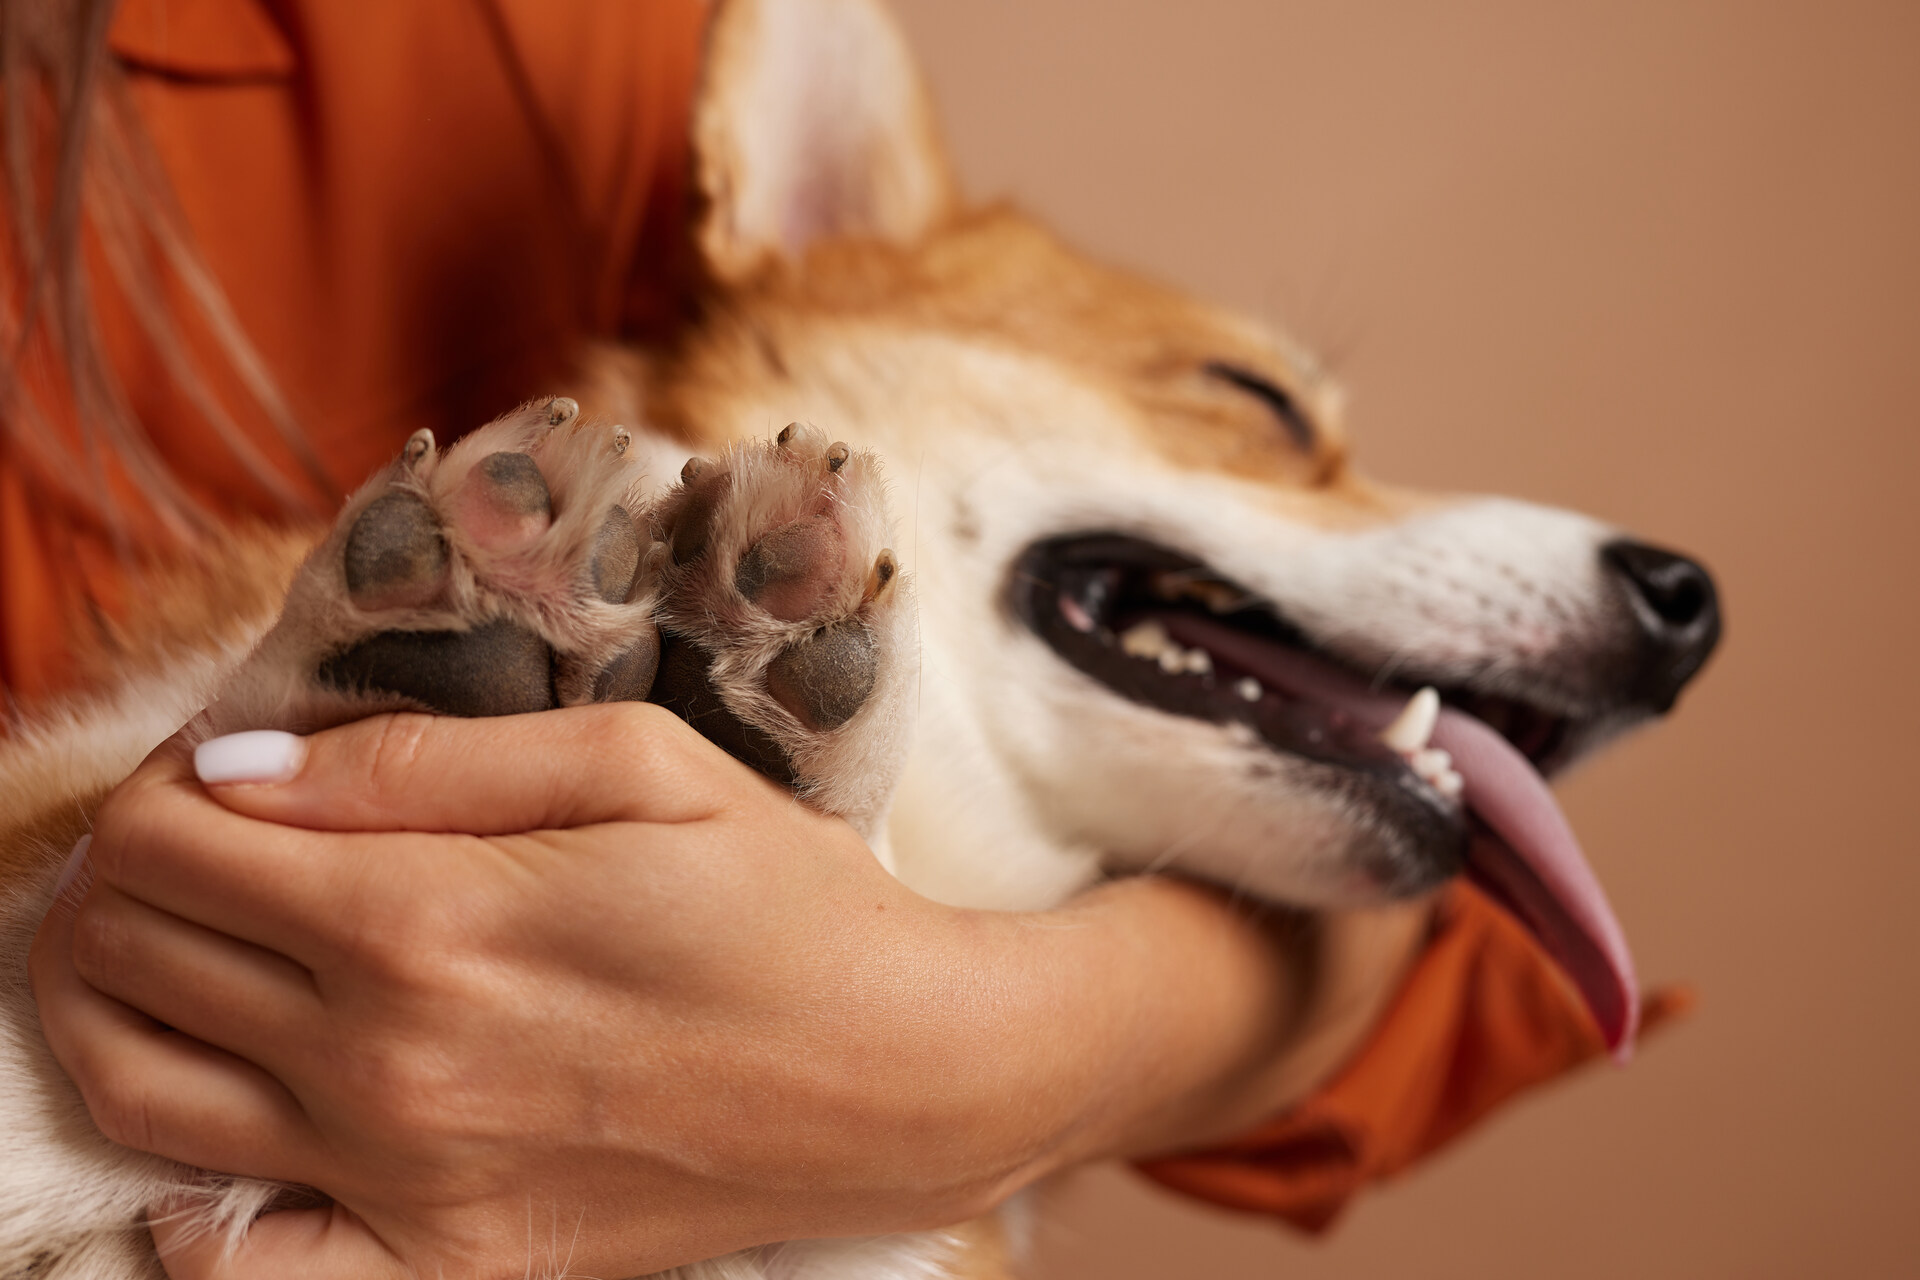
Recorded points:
(154, 1089)
(162, 840)
(231, 994)
(346, 805)
(626, 761)
(292, 1244)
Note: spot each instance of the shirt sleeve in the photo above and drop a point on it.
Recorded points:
(1484, 1016)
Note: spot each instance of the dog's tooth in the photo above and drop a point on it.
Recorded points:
(1145, 640)
(1173, 659)
(1434, 766)
(1198, 662)
(1410, 731)
(1249, 688)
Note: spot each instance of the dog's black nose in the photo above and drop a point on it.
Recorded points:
(1678, 611)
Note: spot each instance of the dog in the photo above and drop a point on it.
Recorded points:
(1148, 614)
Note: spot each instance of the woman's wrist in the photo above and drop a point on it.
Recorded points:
(1151, 1014)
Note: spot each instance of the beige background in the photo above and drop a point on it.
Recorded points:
(1661, 261)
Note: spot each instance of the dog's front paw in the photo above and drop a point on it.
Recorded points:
(523, 569)
(787, 634)
(501, 576)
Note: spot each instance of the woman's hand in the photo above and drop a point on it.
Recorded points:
(582, 964)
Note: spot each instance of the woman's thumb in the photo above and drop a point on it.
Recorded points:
(612, 762)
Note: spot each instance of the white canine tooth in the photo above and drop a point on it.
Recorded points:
(1144, 640)
(1199, 662)
(1450, 785)
(1410, 731)
(1249, 688)
(1173, 659)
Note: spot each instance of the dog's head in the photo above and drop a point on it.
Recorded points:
(1169, 619)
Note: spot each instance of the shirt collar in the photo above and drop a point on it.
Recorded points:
(202, 39)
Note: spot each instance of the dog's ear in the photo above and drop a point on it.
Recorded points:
(812, 123)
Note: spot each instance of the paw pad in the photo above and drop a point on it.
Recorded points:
(791, 571)
(523, 568)
(496, 669)
(826, 678)
(395, 556)
(616, 556)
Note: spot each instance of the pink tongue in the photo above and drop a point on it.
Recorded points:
(1533, 866)
(1526, 856)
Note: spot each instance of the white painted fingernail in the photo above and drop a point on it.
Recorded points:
(257, 756)
(70, 869)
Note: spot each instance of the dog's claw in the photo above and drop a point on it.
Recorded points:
(562, 410)
(419, 450)
(881, 576)
(837, 455)
(622, 439)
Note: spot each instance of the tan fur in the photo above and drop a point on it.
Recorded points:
(182, 616)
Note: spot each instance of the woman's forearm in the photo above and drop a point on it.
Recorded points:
(1151, 1014)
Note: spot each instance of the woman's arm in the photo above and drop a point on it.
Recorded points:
(443, 968)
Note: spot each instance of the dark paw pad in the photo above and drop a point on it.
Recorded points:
(498, 669)
(693, 526)
(826, 678)
(684, 688)
(792, 570)
(629, 677)
(514, 483)
(395, 556)
(616, 556)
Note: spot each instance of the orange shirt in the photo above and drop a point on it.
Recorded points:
(417, 211)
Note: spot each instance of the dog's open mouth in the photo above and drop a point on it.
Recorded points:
(1463, 771)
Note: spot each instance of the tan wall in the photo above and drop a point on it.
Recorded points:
(1661, 261)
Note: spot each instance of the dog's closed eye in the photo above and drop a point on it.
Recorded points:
(1283, 405)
